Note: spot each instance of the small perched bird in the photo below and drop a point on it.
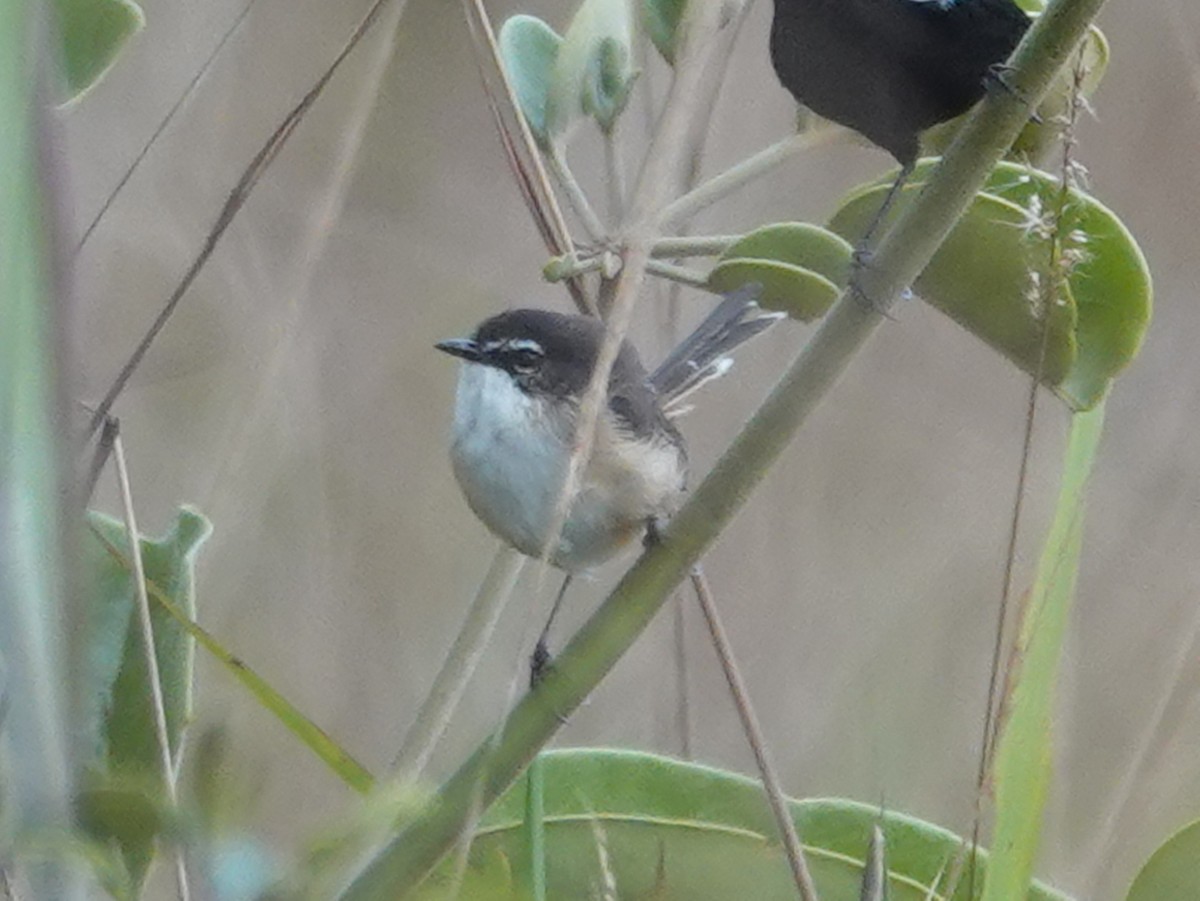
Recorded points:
(889, 69)
(515, 417)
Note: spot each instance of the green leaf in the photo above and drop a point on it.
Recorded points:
(981, 277)
(593, 71)
(1173, 871)
(662, 828)
(800, 266)
(1112, 287)
(127, 818)
(529, 47)
(660, 20)
(119, 716)
(1022, 768)
(93, 32)
(341, 762)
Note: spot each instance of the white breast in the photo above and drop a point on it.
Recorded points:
(510, 459)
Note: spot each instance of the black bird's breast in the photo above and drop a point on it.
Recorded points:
(889, 69)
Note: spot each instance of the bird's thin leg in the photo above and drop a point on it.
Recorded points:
(862, 252)
(864, 243)
(539, 661)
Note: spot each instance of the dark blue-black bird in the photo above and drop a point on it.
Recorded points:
(889, 69)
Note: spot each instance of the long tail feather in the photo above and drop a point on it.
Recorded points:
(701, 357)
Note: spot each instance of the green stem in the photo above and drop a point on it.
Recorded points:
(674, 273)
(35, 613)
(535, 829)
(597, 646)
(576, 196)
(437, 709)
(571, 265)
(615, 171)
(749, 169)
(692, 245)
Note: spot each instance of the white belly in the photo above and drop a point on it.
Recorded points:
(510, 462)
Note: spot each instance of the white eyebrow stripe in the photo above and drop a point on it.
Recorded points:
(526, 344)
(491, 345)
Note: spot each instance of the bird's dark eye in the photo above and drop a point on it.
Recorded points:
(523, 356)
(524, 360)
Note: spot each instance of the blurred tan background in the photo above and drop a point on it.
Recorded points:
(297, 400)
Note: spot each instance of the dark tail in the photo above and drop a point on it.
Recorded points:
(701, 356)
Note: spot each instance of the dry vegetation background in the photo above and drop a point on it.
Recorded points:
(296, 399)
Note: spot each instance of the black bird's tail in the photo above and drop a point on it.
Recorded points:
(702, 355)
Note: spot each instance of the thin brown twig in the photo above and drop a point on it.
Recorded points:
(666, 154)
(754, 735)
(166, 120)
(157, 705)
(535, 190)
(232, 206)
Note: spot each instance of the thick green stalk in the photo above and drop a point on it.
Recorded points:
(905, 251)
(32, 588)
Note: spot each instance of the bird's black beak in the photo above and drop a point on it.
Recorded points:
(461, 347)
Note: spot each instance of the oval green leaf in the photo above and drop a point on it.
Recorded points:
(119, 710)
(528, 49)
(1173, 871)
(801, 293)
(800, 266)
(118, 715)
(668, 829)
(93, 32)
(980, 277)
(593, 71)
(1111, 285)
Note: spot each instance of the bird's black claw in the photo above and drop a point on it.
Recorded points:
(861, 260)
(540, 663)
(996, 80)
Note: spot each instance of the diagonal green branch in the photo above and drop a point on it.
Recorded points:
(593, 651)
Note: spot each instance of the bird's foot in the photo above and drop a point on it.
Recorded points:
(997, 81)
(860, 261)
(540, 663)
(655, 526)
